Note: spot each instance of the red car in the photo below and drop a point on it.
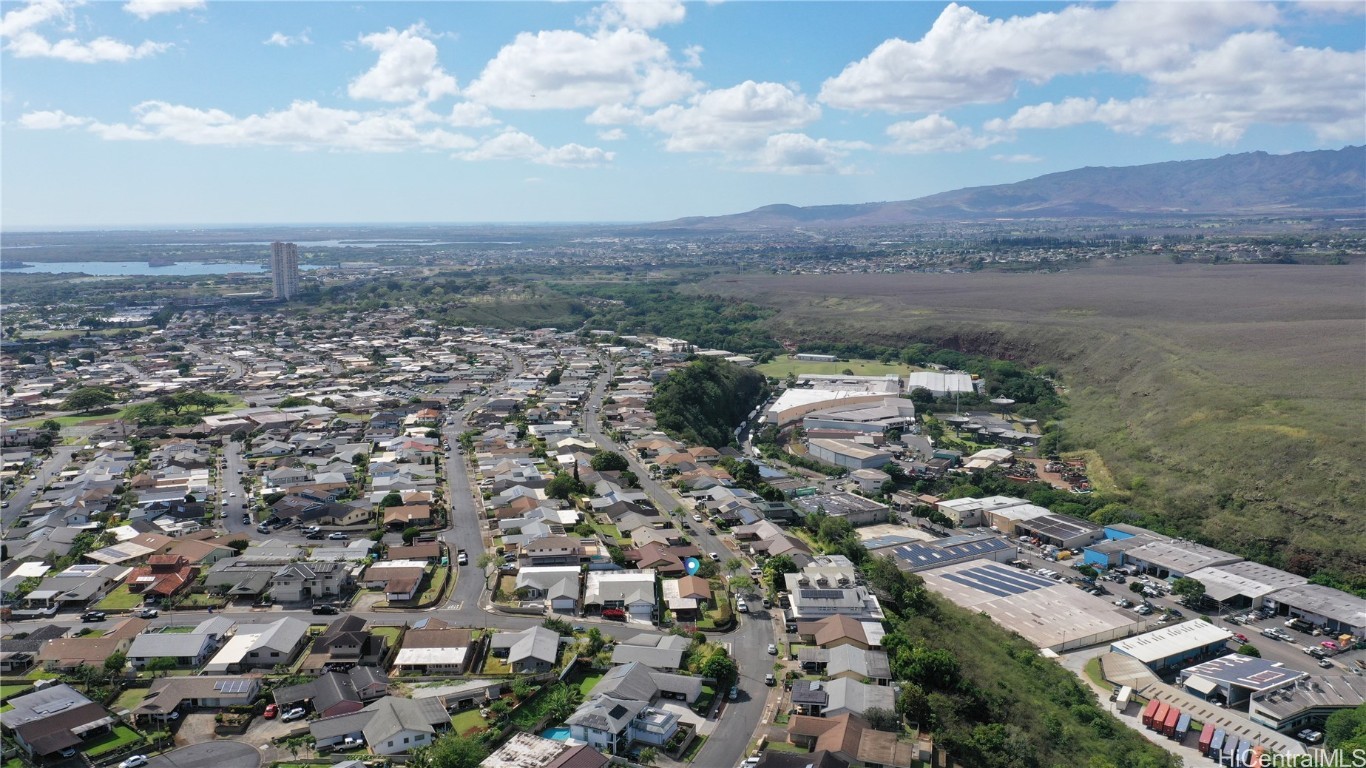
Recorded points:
(1241, 637)
(271, 712)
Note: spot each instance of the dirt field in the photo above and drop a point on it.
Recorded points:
(1227, 401)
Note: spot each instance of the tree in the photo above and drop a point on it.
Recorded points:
(720, 667)
(609, 461)
(648, 756)
(161, 664)
(190, 499)
(742, 584)
(1136, 587)
(558, 626)
(733, 564)
(239, 545)
(882, 719)
(450, 750)
(562, 486)
(484, 561)
(115, 663)
(87, 399)
(1192, 591)
(50, 425)
(391, 499)
(1248, 649)
(774, 569)
(410, 533)
(594, 641)
(1087, 571)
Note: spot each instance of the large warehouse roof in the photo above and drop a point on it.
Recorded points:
(939, 382)
(1245, 672)
(1325, 601)
(1047, 613)
(1181, 556)
(1174, 640)
(1249, 579)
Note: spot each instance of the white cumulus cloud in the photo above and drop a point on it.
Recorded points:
(513, 144)
(408, 68)
(797, 153)
(146, 9)
(1023, 158)
(638, 14)
(24, 37)
(285, 41)
(936, 133)
(565, 69)
(304, 125)
(737, 118)
(1213, 99)
(967, 57)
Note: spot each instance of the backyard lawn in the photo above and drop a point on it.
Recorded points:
(119, 600)
(185, 630)
(434, 585)
(390, 634)
(587, 683)
(122, 736)
(468, 721)
(129, 699)
(494, 666)
(6, 691)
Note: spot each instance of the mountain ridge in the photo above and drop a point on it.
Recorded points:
(1248, 183)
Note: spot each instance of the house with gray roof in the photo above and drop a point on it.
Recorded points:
(664, 653)
(389, 726)
(619, 710)
(534, 649)
(832, 698)
(189, 650)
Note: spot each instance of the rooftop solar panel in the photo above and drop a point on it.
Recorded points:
(977, 585)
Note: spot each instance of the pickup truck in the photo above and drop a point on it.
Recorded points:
(461, 558)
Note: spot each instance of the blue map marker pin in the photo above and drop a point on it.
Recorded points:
(691, 564)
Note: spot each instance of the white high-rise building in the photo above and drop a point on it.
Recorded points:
(284, 269)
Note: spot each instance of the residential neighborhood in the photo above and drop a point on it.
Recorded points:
(361, 537)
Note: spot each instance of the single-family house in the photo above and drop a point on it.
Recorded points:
(530, 651)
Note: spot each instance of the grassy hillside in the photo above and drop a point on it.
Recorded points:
(782, 366)
(1226, 400)
(703, 401)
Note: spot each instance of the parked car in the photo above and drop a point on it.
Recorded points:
(246, 519)
(741, 606)
(325, 610)
(353, 742)
(92, 616)
(772, 649)
(271, 711)
(312, 529)
(768, 603)
(769, 679)
(462, 558)
(338, 536)
(133, 761)
(1325, 663)
(734, 693)
(68, 752)
(145, 613)
(714, 557)
(297, 713)
(1242, 638)
(697, 518)
(315, 536)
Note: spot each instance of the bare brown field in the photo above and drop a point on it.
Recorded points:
(1230, 401)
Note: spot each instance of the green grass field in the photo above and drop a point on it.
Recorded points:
(782, 366)
(469, 721)
(129, 699)
(119, 600)
(122, 736)
(6, 691)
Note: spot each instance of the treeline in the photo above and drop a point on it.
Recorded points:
(705, 401)
(659, 308)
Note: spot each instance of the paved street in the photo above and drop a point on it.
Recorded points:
(21, 499)
(212, 754)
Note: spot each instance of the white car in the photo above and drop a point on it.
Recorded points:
(715, 557)
(134, 761)
(697, 518)
(297, 713)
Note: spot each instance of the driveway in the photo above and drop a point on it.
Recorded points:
(195, 728)
(213, 754)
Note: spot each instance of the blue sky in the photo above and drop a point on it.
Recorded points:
(174, 112)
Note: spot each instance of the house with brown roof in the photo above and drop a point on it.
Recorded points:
(55, 718)
(198, 552)
(840, 629)
(428, 552)
(656, 556)
(433, 647)
(67, 653)
(405, 515)
(850, 737)
(347, 642)
(161, 577)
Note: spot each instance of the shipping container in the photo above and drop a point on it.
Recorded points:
(1230, 749)
(1183, 726)
(1160, 716)
(1206, 736)
(1216, 745)
(1173, 717)
(1148, 711)
(1122, 698)
(1243, 756)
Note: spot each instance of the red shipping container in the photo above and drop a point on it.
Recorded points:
(1160, 716)
(1173, 717)
(1206, 736)
(1149, 711)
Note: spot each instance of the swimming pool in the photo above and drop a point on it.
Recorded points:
(558, 734)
